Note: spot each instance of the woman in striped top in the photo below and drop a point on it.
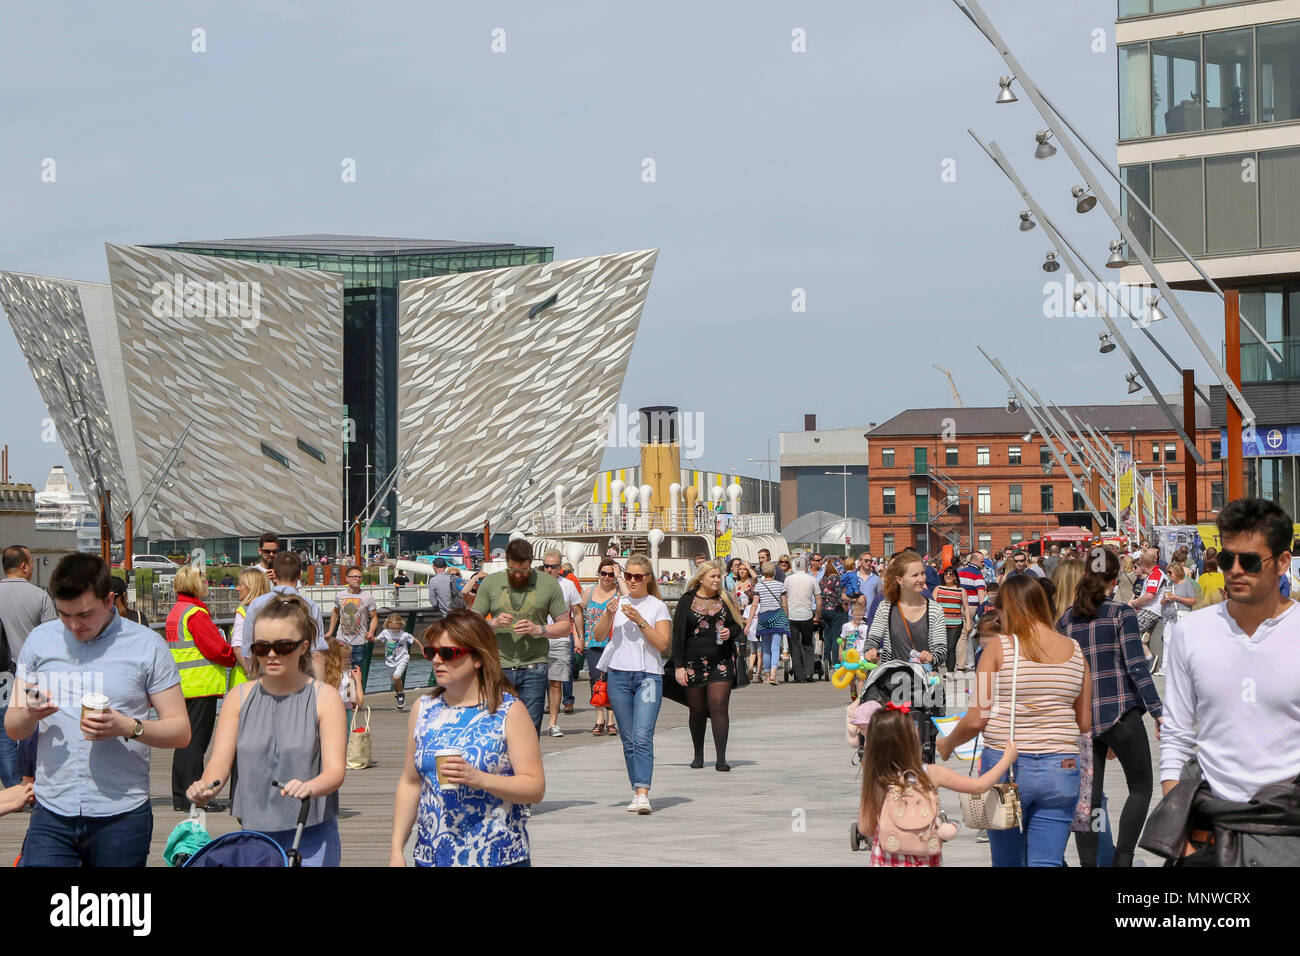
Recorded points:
(1053, 707)
(950, 596)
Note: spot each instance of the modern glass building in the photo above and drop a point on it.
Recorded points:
(372, 267)
(1209, 138)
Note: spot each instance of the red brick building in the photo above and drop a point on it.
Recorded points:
(937, 475)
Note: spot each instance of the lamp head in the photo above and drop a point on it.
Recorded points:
(1050, 264)
(1044, 149)
(1026, 220)
(1116, 260)
(1107, 346)
(1085, 202)
(1004, 94)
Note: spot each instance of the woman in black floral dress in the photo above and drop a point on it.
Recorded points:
(705, 628)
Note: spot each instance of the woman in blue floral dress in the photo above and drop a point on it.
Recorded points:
(478, 819)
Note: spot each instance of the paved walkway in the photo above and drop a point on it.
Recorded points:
(790, 798)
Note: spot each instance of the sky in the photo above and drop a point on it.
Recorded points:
(799, 156)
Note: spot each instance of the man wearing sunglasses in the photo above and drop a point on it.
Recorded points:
(268, 546)
(559, 663)
(1232, 700)
(518, 602)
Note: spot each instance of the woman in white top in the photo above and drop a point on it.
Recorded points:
(252, 584)
(639, 629)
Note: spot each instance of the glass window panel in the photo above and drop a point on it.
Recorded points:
(1279, 72)
(982, 455)
(1180, 203)
(886, 458)
(1015, 499)
(1176, 85)
(1231, 217)
(950, 456)
(1046, 499)
(1013, 455)
(1229, 72)
(1171, 451)
(986, 542)
(1169, 6)
(1134, 91)
(1279, 197)
(889, 545)
(888, 501)
(1138, 179)
(985, 498)
(1134, 8)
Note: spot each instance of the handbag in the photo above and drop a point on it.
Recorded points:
(600, 694)
(998, 808)
(1082, 822)
(360, 745)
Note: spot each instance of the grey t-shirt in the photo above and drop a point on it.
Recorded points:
(440, 588)
(22, 606)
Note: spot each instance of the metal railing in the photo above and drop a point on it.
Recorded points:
(157, 601)
(681, 520)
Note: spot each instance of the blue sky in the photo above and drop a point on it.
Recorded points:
(774, 171)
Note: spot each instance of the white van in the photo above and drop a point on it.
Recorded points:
(157, 563)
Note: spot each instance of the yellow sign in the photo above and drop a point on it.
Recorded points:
(722, 546)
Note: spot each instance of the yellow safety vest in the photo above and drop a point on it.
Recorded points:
(199, 676)
(236, 676)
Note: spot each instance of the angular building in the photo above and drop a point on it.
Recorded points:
(225, 388)
(506, 381)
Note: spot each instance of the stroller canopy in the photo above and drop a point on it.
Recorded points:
(240, 848)
(902, 682)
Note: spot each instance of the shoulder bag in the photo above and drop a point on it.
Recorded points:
(360, 746)
(998, 808)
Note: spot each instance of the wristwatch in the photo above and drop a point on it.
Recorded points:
(139, 729)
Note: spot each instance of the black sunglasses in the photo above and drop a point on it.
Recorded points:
(447, 654)
(281, 648)
(1250, 562)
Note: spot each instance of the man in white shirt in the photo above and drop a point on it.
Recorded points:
(805, 611)
(1233, 696)
(559, 663)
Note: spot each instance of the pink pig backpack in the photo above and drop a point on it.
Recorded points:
(909, 821)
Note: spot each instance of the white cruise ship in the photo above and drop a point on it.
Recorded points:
(59, 508)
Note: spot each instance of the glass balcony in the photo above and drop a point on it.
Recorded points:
(1258, 366)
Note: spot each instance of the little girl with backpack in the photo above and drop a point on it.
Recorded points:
(899, 808)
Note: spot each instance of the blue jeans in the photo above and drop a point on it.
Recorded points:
(771, 645)
(319, 845)
(635, 697)
(530, 681)
(1049, 793)
(8, 755)
(121, 840)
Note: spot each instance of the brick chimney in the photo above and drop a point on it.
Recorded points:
(810, 423)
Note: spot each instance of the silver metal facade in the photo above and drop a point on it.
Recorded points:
(492, 398)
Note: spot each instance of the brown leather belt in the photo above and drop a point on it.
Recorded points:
(1201, 836)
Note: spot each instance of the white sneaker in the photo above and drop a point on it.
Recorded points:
(643, 804)
(635, 805)
(555, 731)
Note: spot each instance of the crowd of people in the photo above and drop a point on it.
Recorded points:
(1058, 657)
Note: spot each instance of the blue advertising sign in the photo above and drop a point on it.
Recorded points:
(1268, 441)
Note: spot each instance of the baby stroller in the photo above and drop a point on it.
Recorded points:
(906, 682)
(250, 848)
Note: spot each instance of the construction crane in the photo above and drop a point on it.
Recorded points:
(956, 395)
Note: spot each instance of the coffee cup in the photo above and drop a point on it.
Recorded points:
(94, 704)
(439, 758)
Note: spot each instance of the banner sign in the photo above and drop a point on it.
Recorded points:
(1267, 441)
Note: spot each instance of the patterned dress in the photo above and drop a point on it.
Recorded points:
(465, 827)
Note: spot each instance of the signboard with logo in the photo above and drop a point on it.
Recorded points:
(722, 539)
(1268, 441)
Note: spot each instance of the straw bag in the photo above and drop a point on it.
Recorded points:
(359, 745)
(999, 807)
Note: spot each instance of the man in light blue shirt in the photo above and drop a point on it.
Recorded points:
(92, 767)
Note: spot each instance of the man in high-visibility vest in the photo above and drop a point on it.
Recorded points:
(202, 656)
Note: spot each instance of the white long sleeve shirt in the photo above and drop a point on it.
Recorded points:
(1233, 701)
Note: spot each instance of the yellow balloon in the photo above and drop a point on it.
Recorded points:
(841, 678)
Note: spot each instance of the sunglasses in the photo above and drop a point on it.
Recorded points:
(268, 551)
(552, 567)
(608, 574)
(281, 648)
(1250, 562)
(629, 576)
(445, 654)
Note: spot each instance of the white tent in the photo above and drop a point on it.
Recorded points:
(822, 527)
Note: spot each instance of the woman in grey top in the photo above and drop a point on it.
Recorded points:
(285, 727)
